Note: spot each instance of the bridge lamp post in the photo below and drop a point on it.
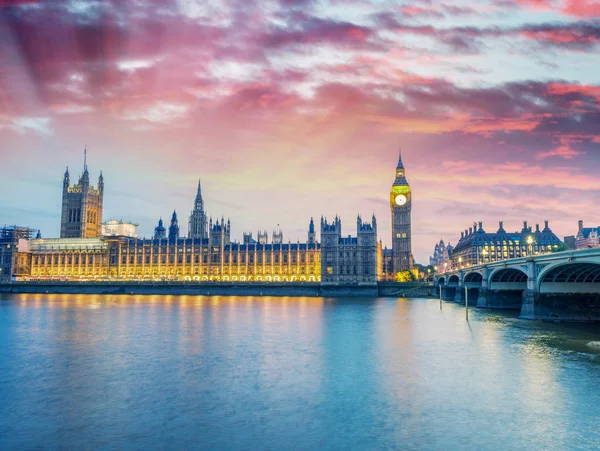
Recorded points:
(460, 262)
(529, 245)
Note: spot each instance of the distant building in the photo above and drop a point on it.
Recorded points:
(570, 242)
(12, 240)
(350, 260)
(82, 206)
(587, 237)
(476, 246)
(114, 227)
(441, 256)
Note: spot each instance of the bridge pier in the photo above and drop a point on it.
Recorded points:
(483, 298)
(573, 307)
(499, 299)
(530, 300)
(460, 295)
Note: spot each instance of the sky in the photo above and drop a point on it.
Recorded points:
(287, 109)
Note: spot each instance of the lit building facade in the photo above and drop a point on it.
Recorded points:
(82, 206)
(476, 246)
(179, 259)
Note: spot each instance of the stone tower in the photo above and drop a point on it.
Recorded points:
(400, 206)
(198, 224)
(330, 257)
(82, 206)
(277, 236)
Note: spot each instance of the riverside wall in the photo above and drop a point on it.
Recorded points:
(386, 289)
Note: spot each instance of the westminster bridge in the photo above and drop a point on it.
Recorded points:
(562, 286)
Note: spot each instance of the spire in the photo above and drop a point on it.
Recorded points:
(174, 217)
(85, 159)
(400, 165)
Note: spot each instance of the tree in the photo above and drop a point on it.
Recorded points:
(561, 248)
(405, 276)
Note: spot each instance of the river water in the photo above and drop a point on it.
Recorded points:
(184, 372)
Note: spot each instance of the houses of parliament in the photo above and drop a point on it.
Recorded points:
(87, 250)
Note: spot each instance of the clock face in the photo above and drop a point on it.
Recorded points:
(400, 199)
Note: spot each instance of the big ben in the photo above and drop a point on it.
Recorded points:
(400, 206)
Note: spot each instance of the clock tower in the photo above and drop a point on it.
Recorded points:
(400, 205)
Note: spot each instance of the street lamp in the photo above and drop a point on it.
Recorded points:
(460, 262)
(530, 245)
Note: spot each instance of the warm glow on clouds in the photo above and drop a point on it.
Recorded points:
(296, 108)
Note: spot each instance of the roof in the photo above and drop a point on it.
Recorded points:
(586, 231)
(480, 238)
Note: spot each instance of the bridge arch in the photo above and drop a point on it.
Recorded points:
(508, 275)
(473, 277)
(441, 281)
(506, 286)
(578, 276)
(453, 280)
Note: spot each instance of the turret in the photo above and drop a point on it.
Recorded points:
(311, 232)
(101, 183)
(159, 231)
(66, 180)
(174, 227)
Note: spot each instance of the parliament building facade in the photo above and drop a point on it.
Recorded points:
(208, 253)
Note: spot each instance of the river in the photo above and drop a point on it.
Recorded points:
(185, 372)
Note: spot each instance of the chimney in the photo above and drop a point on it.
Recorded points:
(546, 225)
(524, 224)
(537, 227)
(580, 225)
(462, 235)
(480, 225)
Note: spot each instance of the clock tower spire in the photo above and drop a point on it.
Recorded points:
(400, 206)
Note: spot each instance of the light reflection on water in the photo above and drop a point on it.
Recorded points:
(104, 371)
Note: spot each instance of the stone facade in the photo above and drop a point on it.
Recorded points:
(350, 260)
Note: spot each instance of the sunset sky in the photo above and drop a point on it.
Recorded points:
(295, 108)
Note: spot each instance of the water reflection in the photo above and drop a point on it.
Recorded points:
(122, 371)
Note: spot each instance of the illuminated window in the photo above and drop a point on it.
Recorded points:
(329, 270)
